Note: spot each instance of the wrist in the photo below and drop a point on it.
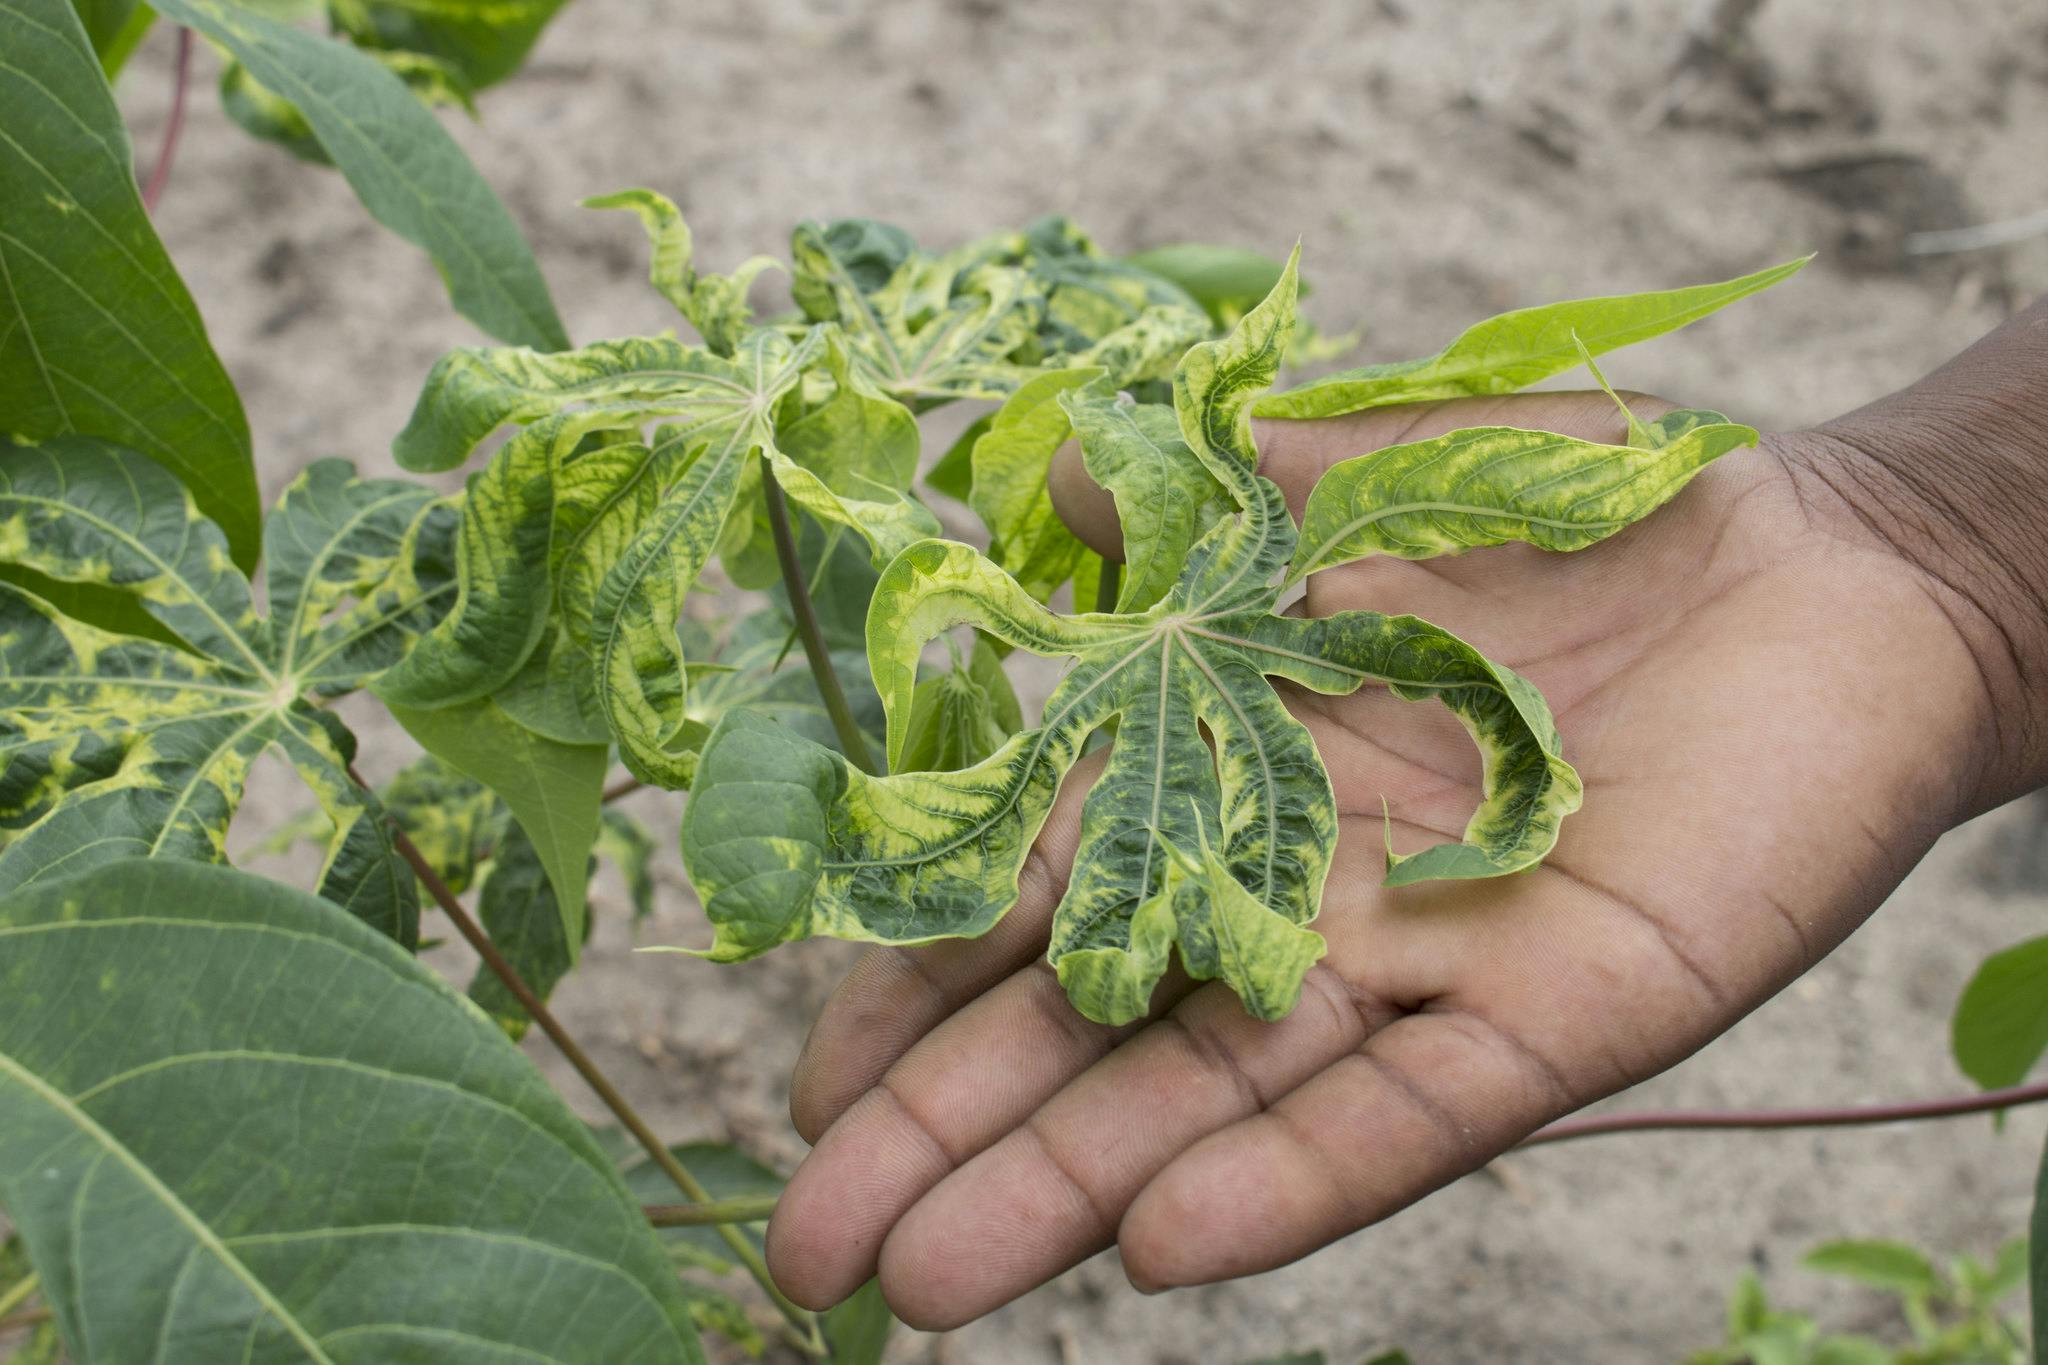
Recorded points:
(1951, 477)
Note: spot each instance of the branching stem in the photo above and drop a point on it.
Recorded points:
(1954, 1106)
(749, 1209)
(174, 125)
(851, 739)
(803, 1324)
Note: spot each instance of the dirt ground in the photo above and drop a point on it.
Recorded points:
(1440, 162)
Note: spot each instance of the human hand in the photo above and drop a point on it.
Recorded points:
(1774, 713)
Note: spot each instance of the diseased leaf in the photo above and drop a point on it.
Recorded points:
(2001, 1022)
(86, 291)
(552, 789)
(1490, 485)
(785, 840)
(1516, 349)
(1164, 497)
(716, 305)
(1027, 539)
(484, 41)
(279, 1178)
(927, 331)
(114, 746)
(603, 541)
(405, 168)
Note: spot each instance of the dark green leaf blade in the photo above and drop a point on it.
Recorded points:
(87, 292)
(519, 911)
(553, 789)
(405, 168)
(396, 1181)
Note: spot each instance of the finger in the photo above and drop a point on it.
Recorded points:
(1425, 1100)
(894, 996)
(1294, 454)
(960, 1088)
(1051, 1192)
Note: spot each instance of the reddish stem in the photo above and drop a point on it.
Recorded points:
(167, 150)
(1954, 1106)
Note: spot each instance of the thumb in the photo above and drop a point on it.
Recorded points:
(1295, 454)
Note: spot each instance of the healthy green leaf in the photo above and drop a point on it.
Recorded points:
(1227, 281)
(626, 843)
(552, 789)
(405, 168)
(97, 333)
(265, 114)
(962, 714)
(117, 746)
(1490, 485)
(522, 914)
(716, 305)
(2037, 1260)
(784, 840)
(1879, 1264)
(336, 1159)
(857, 1329)
(1516, 349)
(2001, 1022)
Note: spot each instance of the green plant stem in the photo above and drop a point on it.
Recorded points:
(1109, 586)
(753, 1208)
(1956, 1106)
(803, 1324)
(851, 739)
(16, 1295)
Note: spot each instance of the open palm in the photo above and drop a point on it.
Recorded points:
(1763, 702)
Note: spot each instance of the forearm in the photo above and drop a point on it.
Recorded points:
(1952, 473)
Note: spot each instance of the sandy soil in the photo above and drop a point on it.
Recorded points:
(1440, 162)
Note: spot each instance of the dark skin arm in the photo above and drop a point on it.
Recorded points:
(1779, 691)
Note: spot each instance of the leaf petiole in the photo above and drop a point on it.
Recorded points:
(851, 740)
(747, 1209)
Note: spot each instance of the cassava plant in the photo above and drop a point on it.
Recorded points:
(238, 1119)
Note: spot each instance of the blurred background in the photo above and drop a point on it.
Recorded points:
(1440, 163)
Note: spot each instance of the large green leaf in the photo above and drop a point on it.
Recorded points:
(2001, 1022)
(553, 790)
(1516, 349)
(1490, 485)
(117, 746)
(97, 333)
(1880, 1264)
(1220, 853)
(405, 168)
(235, 1126)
